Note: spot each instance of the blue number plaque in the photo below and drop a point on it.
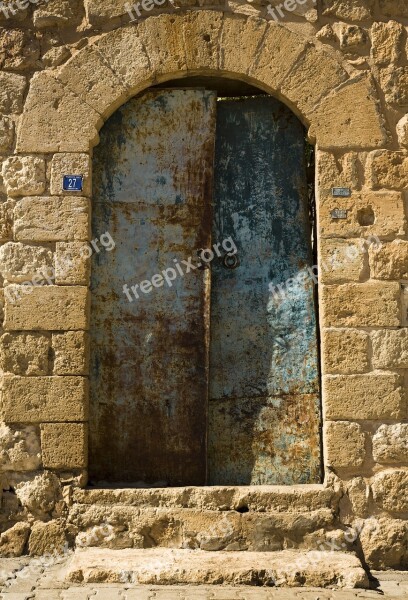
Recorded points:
(72, 183)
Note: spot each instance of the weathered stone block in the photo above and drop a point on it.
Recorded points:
(394, 82)
(44, 399)
(47, 308)
(24, 353)
(6, 220)
(64, 445)
(249, 32)
(369, 214)
(390, 444)
(345, 351)
(402, 131)
(70, 163)
(389, 260)
(386, 39)
(21, 262)
(49, 114)
(39, 493)
(125, 53)
(11, 93)
(372, 396)
(390, 349)
(342, 260)
(337, 171)
(345, 444)
(58, 13)
(387, 169)
(384, 543)
(314, 76)
(19, 48)
(47, 539)
(72, 263)
(163, 41)
(91, 79)
(336, 124)
(201, 31)
(372, 304)
(51, 219)
(99, 11)
(394, 8)
(6, 134)
(23, 175)
(286, 47)
(20, 448)
(71, 353)
(359, 494)
(390, 490)
(13, 540)
(350, 10)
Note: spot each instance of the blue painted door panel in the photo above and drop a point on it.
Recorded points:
(264, 411)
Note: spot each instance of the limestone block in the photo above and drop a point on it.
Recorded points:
(6, 134)
(64, 445)
(342, 260)
(402, 131)
(371, 304)
(70, 163)
(6, 220)
(24, 353)
(11, 92)
(387, 169)
(163, 41)
(20, 448)
(353, 39)
(55, 120)
(44, 399)
(47, 308)
(125, 53)
(390, 444)
(359, 493)
(368, 214)
(384, 543)
(390, 490)
(19, 49)
(345, 351)
(394, 8)
(23, 175)
(13, 540)
(47, 539)
(40, 493)
(21, 262)
(349, 10)
(51, 219)
(314, 76)
(336, 171)
(285, 47)
(58, 13)
(72, 263)
(389, 260)
(371, 396)
(390, 349)
(336, 123)
(249, 32)
(87, 75)
(345, 444)
(394, 82)
(386, 41)
(201, 31)
(71, 353)
(99, 11)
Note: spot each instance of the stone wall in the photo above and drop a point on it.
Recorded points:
(341, 65)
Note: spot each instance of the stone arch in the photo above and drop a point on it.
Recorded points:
(65, 108)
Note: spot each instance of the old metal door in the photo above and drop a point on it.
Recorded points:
(264, 386)
(149, 358)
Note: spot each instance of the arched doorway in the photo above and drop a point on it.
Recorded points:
(204, 365)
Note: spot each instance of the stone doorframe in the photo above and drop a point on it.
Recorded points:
(63, 113)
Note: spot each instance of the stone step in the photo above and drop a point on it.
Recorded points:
(160, 566)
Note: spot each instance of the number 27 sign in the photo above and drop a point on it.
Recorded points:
(72, 183)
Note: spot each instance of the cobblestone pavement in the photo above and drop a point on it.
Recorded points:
(22, 579)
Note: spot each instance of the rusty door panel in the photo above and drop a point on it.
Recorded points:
(264, 413)
(149, 357)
